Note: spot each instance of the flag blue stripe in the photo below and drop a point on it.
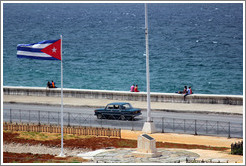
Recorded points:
(35, 57)
(42, 42)
(19, 48)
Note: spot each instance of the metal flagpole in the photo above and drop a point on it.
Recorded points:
(62, 154)
(149, 126)
(147, 65)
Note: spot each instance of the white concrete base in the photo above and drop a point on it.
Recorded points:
(149, 128)
(90, 155)
(146, 155)
(61, 155)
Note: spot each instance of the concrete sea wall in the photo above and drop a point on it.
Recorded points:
(124, 95)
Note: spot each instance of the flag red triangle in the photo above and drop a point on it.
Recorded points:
(53, 50)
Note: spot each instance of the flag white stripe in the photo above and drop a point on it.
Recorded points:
(38, 45)
(26, 53)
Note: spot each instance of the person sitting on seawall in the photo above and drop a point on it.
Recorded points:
(53, 84)
(183, 92)
(136, 89)
(48, 85)
(132, 88)
(189, 91)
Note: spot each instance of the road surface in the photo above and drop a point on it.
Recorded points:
(192, 123)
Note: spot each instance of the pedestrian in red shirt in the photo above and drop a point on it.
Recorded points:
(190, 90)
(136, 89)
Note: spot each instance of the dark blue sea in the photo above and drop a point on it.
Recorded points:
(198, 45)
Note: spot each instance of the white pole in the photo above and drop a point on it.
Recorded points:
(147, 65)
(62, 154)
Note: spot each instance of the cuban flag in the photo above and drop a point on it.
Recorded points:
(46, 50)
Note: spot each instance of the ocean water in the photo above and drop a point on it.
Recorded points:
(198, 45)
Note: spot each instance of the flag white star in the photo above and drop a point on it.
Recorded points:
(54, 49)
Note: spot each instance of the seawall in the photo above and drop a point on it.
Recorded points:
(124, 95)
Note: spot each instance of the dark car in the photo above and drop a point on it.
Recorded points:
(118, 111)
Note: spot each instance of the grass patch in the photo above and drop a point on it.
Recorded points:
(37, 136)
(127, 143)
(41, 136)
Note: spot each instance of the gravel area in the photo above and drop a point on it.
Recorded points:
(125, 155)
(40, 149)
(104, 156)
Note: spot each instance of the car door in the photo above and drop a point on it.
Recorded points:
(116, 111)
(109, 110)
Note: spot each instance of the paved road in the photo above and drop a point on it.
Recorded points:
(82, 102)
(207, 124)
(87, 110)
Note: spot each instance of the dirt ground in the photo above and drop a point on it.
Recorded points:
(197, 140)
(94, 143)
(184, 138)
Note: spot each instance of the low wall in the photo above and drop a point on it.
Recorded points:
(124, 96)
(78, 130)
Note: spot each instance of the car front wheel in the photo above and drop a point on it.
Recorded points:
(122, 117)
(99, 116)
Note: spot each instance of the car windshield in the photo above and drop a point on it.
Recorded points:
(126, 106)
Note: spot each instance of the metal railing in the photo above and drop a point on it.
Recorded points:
(200, 127)
(163, 124)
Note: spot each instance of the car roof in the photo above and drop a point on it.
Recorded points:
(118, 103)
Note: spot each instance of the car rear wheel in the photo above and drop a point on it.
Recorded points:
(131, 118)
(99, 116)
(122, 117)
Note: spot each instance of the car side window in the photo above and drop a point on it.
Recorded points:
(116, 107)
(110, 107)
(126, 106)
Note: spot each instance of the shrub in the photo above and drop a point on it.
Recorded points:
(237, 148)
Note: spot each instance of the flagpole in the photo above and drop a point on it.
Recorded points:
(147, 65)
(149, 126)
(62, 154)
